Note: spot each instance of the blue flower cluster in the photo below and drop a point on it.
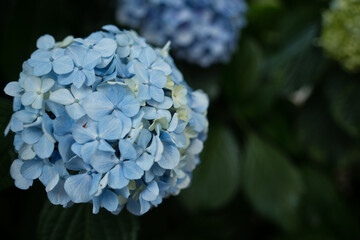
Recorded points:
(201, 31)
(107, 120)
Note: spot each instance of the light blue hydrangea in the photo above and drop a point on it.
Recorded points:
(201, 32)
(106, 120)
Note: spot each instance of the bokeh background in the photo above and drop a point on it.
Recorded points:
(282, 160)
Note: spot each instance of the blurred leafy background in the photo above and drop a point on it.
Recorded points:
(282, 160)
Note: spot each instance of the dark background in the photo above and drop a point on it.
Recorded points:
(271, 169)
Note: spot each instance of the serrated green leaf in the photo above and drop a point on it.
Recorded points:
(78, 222)
(216, 179)
(272, 184)
(6, 145)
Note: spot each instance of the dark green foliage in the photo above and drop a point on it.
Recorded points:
(216, 179)
(77, 222)
(6, 145)
(272, 167)
(271, 183)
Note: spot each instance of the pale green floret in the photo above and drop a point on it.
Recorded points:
(179, 96)
(65, 43)
(341, 33)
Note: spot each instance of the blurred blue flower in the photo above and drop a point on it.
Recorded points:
(201, 32)
(110, 121)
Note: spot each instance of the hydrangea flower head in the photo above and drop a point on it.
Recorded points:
(201, 32)
(341, 33)
(107, 120)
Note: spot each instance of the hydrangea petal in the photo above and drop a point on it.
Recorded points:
(117, 179)
(63, 65)
(46, 84)
(58, 195)
(65, 147)
(170, 157)
(28, 98)
(161, 65)
(127, 149)
(44, 147)
(131, 170)
(75, 111)
(78, 187)
(32, 169)
(13, 89)
(97, 105)
(37, 104)
(156, 93)
(62, 96)
(144, 92)
(110, 127)
(88, 150)
(45, 42)
(109, 200)
(106, 47)
(151, 191)
(31, 135)
(26, 152)
(147, 56)
(137, 207)
(84, 130)
(103, 161)
(20, 181)
(145, 161)
(129, 106)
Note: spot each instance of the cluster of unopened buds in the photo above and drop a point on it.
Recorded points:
(107, 120)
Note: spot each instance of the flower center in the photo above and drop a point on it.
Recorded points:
(38, 92)
(89, 172)
(80, 68)
(76, 100)
(97, 138)
(51, 59)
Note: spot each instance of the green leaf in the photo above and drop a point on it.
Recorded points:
(243, 84)
(343, 95)
(324, 209)
(277, 128)
(6, 145)
(78, 222)
(299, 64)
(242, 75)
(272, 184)
(322, 140)
(215, 180)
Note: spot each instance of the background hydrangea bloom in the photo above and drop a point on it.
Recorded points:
(202, 32)
(341, 33)
(107, 120)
